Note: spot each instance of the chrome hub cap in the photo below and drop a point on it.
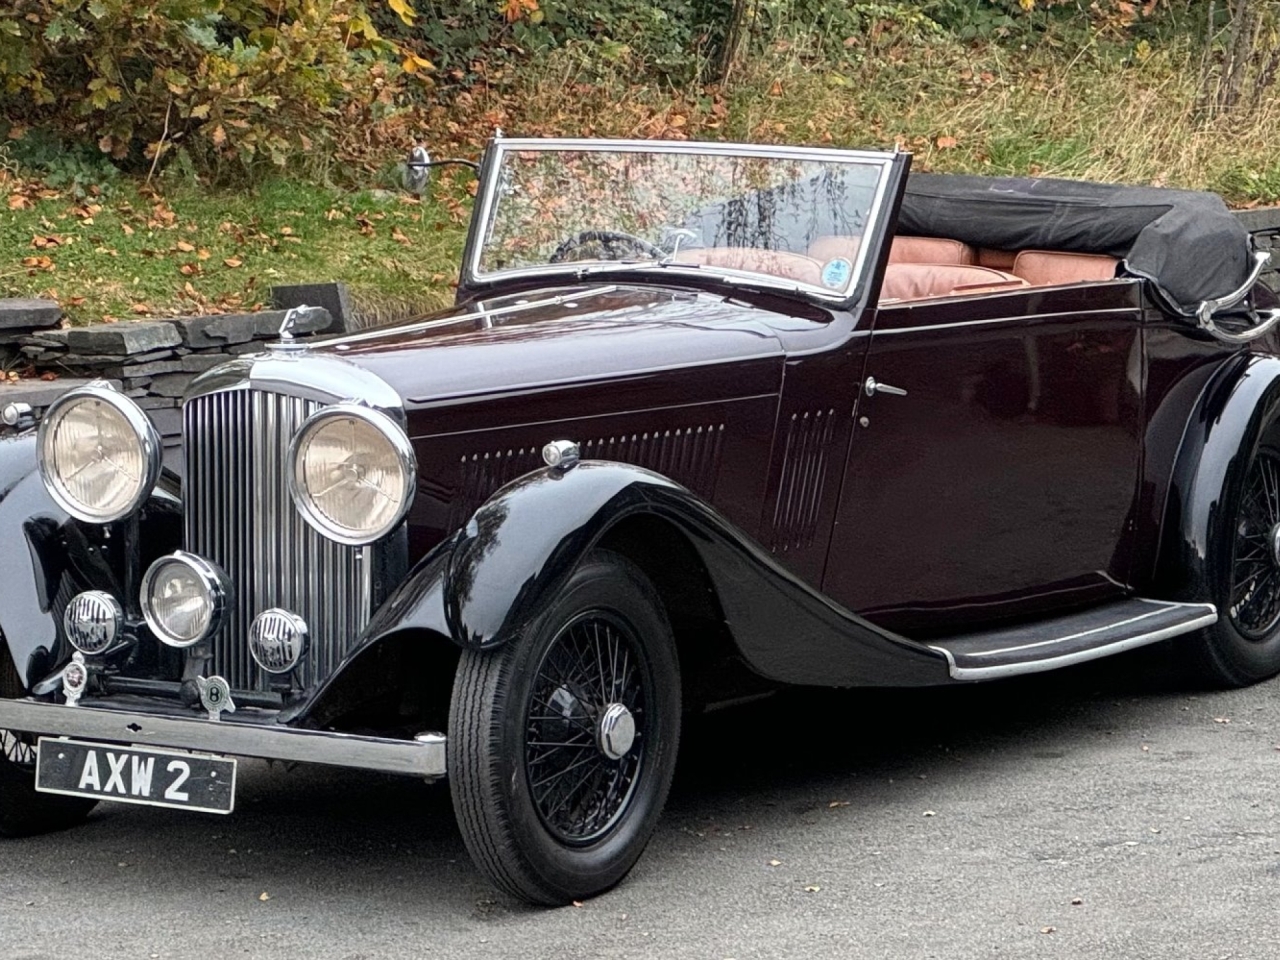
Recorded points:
(616, 731)
(1275, 544)
(586, 728)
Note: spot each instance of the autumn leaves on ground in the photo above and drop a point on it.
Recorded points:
(1115, 99)
(131, 252)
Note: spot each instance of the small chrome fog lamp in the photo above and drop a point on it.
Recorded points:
(92, 621)
(277, 640)
(183, 598)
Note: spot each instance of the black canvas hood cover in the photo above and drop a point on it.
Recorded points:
(1187, 243)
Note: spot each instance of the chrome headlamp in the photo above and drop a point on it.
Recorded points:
(184, 598)
(99, 454)
(352, 473)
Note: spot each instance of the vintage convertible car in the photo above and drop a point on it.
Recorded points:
(706, 419)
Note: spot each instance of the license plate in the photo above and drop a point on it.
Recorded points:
(156, 778)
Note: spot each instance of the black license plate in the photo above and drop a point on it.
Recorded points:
(155, 778)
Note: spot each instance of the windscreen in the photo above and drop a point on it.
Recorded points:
(789, 220)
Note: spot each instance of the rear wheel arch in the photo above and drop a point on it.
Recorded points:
(1238, 416)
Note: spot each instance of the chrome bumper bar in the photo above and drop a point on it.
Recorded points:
(424, 756)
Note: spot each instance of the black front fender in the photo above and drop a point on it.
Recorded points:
(47, 555)
(31, 563)
(494, 576)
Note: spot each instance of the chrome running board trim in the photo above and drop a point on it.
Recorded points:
(423, 756)
(1077, 638)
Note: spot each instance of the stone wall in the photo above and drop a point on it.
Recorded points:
(150, 361)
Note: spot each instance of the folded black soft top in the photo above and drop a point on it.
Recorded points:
(1186, 242)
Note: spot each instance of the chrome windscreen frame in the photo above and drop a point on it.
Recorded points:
(473, 276)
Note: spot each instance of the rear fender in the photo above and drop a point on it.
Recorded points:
(1237, 405)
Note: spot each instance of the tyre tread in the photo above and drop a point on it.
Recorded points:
(475, 770)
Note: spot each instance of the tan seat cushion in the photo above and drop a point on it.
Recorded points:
(1042, 268)
(931, 250)
(832, 247)
(997, 259)
(774, 263)
(921, 281)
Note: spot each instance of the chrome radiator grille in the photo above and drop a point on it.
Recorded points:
(239, 515)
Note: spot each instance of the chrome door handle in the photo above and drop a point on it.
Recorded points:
(874, 386)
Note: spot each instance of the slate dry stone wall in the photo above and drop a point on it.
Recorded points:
(150, 361)
(155, 361)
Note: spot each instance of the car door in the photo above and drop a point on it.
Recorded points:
(994, 463)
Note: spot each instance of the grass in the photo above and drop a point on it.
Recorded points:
(1120, 113)
(130, 253)
(1097, 112)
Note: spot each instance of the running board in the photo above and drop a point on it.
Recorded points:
(1089, 635)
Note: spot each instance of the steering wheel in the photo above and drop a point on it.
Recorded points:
(616, 245)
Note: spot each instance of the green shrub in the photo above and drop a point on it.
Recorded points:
(468, 39)
(233, 83)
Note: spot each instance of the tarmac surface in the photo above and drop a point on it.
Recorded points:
(1105, 811)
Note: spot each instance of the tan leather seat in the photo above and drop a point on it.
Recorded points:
(922, 281)
(773, 263)
(832, 247)
(997, 259)
(931, 250)
(1042, 268)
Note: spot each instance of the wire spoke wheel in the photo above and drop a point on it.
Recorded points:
(585, 732)
(562, 742)
(17, 749)
(1254, 604)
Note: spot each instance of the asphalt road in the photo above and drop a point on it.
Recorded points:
(1101, 812)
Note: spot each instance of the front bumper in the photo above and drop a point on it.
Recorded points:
(423, 756)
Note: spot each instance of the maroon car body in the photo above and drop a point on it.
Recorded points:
(881, 483)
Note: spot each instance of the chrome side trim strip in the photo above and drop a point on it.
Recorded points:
(1080, 656)
(423, 756)
(1040, 318)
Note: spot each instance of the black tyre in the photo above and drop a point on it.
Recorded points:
(562, 744)
(1243, 647)
(23, 811)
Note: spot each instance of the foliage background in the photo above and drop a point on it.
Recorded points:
(131, 130)
(226, 89)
